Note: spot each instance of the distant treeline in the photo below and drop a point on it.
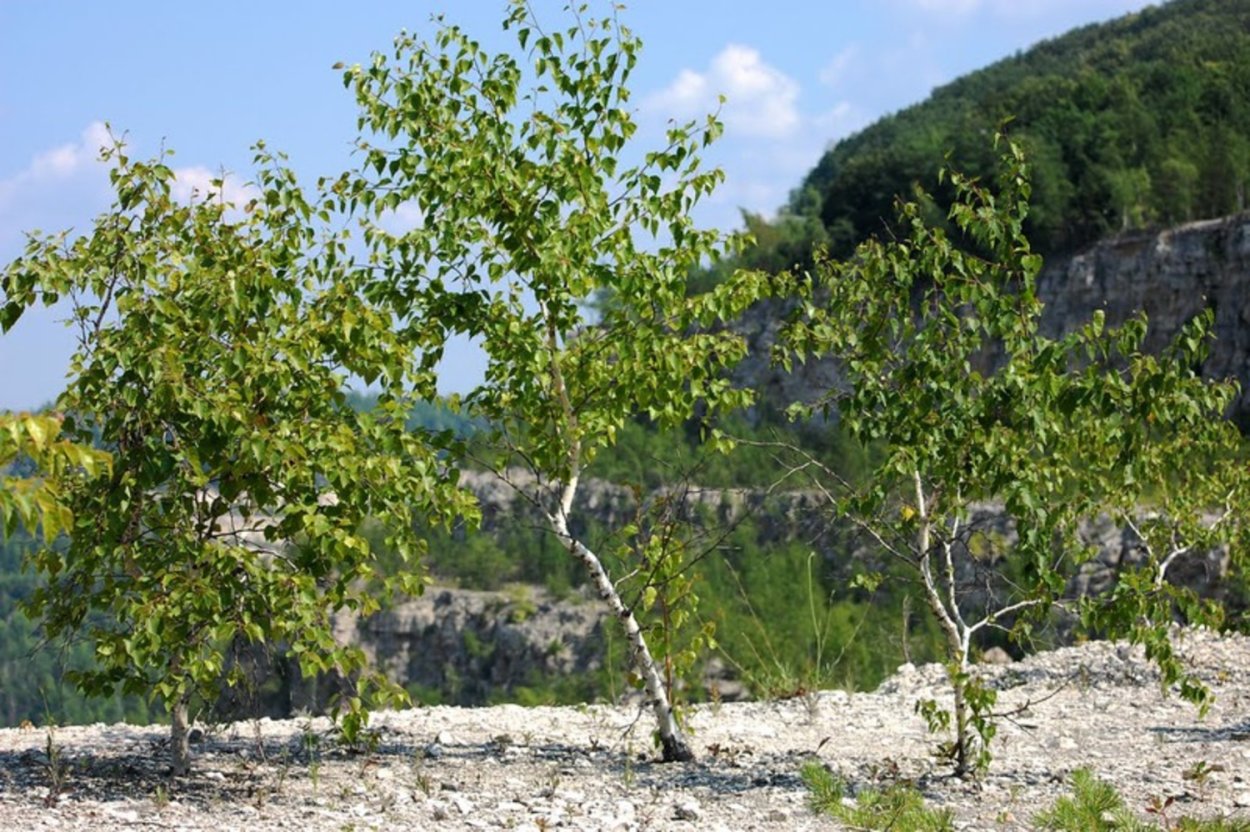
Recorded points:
(33, 684)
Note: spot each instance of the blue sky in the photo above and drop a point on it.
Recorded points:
(209, 79)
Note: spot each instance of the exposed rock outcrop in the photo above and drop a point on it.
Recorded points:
(1171, 275)
(474, 647)
(471, 645)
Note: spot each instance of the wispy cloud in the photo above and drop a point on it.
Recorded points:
(58, 187)
(834, 71)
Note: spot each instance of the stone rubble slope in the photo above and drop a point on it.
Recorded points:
(1098, 705)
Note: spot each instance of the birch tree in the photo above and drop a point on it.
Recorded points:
(540, 231)
(214, 344)
(1056, 430)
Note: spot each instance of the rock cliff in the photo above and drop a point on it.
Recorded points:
(1171, 275)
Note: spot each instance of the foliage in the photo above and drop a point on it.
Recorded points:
(434, 415)
(31, 686)
(781, 244)
(528, 214)
(1137, 122)
(943, 364)
(896, 807)
(791, 623)
(1095, 806)
(214, 345)
(37, 502)
(649, 457)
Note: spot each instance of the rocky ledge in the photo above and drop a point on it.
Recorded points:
(1170, 274)
(1098, 706)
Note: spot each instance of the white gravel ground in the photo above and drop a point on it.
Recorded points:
(507, 767)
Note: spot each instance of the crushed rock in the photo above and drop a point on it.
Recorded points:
(592, 767)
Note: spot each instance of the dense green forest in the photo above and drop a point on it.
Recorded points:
(1142, 121)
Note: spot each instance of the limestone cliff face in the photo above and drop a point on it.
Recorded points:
(474, 645)
(1171, 275)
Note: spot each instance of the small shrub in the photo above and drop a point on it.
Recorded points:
(827, 790)
(898, 807)
(1095, 806)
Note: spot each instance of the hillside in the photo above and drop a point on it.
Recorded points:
(1139, 122)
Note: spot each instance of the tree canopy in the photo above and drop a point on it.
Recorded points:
(538, 235)
(215, 342)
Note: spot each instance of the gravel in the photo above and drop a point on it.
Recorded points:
(593, 767)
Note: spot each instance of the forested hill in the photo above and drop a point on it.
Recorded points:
(1139, 122)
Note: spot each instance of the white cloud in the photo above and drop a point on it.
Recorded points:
(770, 142)
(68, 159)
(56, 165)
(195, 184)
(761, 100)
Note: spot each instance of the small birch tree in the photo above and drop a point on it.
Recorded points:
(527, 213)
(214, 346)
(1055, 430)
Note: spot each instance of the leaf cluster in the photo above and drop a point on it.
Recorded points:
(38, 501)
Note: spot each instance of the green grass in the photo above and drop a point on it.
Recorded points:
(1093, 806)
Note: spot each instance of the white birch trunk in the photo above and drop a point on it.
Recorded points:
(951, 622)
(673, 745)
